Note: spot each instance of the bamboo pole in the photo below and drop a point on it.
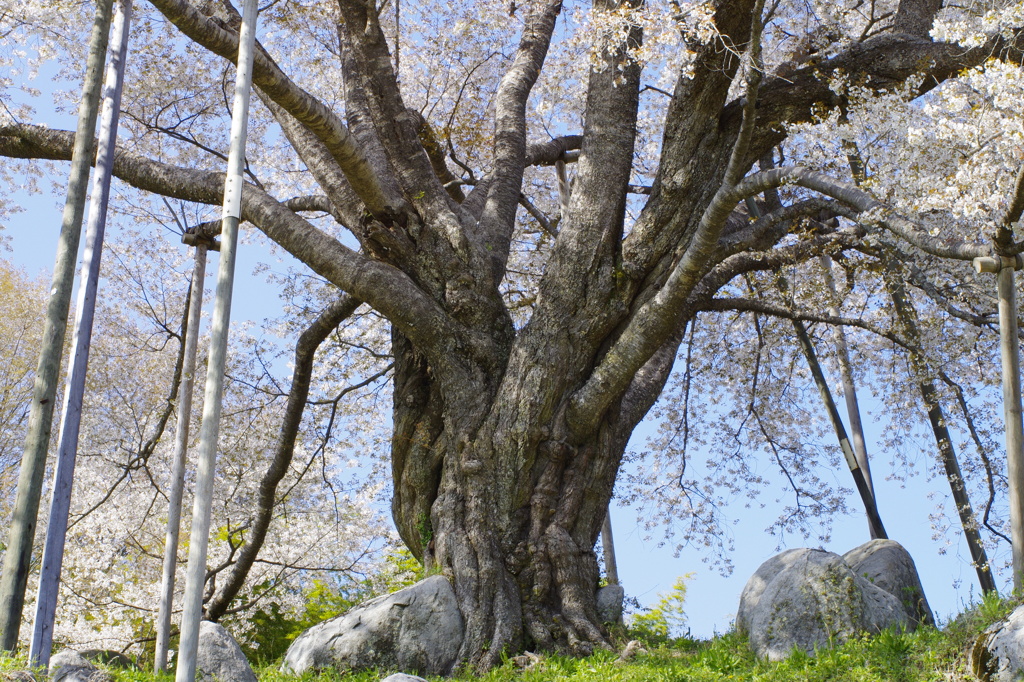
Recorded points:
(1010, 351)
(85, 308)
(17, 558)
(195, 576)
(188, 375)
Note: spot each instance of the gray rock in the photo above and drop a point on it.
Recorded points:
(807, 598)
(888, 565)
(219, 658)
(609, 603)
(81, 673)
(998, 653)
(68, 657)
(108, 657)
(402, 677)
(418, 629)
(71, 666)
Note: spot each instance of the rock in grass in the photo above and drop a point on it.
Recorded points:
(806, 599)
(110, 658)
(402, 677)
(418, 629)
(70, 666)
(888, 565)
(998, 653)
(219, 658)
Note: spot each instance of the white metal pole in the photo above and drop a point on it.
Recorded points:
(188, 376)
(195, 575)
(611, 566)
(1011, 408)
(60, 501)
(1010, 351)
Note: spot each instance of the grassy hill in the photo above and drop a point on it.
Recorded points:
(928, 655)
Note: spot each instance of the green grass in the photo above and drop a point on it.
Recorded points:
(927, 655)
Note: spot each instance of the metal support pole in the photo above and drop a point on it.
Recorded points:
(195, 576)
(1010, 350)
(14, 579)
(846, 370)
(564, 191)
(85, 308)
(188, 376)
(611, 566)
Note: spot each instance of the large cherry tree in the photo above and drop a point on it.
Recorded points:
(532, 330)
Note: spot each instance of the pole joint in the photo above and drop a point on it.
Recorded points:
(195, 238)
(994, 264)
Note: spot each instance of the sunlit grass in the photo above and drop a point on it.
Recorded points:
(927, 655)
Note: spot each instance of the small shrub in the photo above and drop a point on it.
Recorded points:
(665, 619)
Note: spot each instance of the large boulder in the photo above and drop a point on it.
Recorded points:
(219, 658)
(888, 565)
(417, 629)
(809, 598)
(998, 653)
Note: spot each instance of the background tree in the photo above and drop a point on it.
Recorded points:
(22, 297)
(527, 345)
(323, 538)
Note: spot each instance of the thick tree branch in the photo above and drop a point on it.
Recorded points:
(1016, 207)
(349, 209)
(435, 152)
(305, 350)
(497, 220)
(915, 17)
(554, 150)
(871, 212)
(769, 228)
(372, 85)
(653, 322)
(880, 63)
(216, 36)
(384, 287)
